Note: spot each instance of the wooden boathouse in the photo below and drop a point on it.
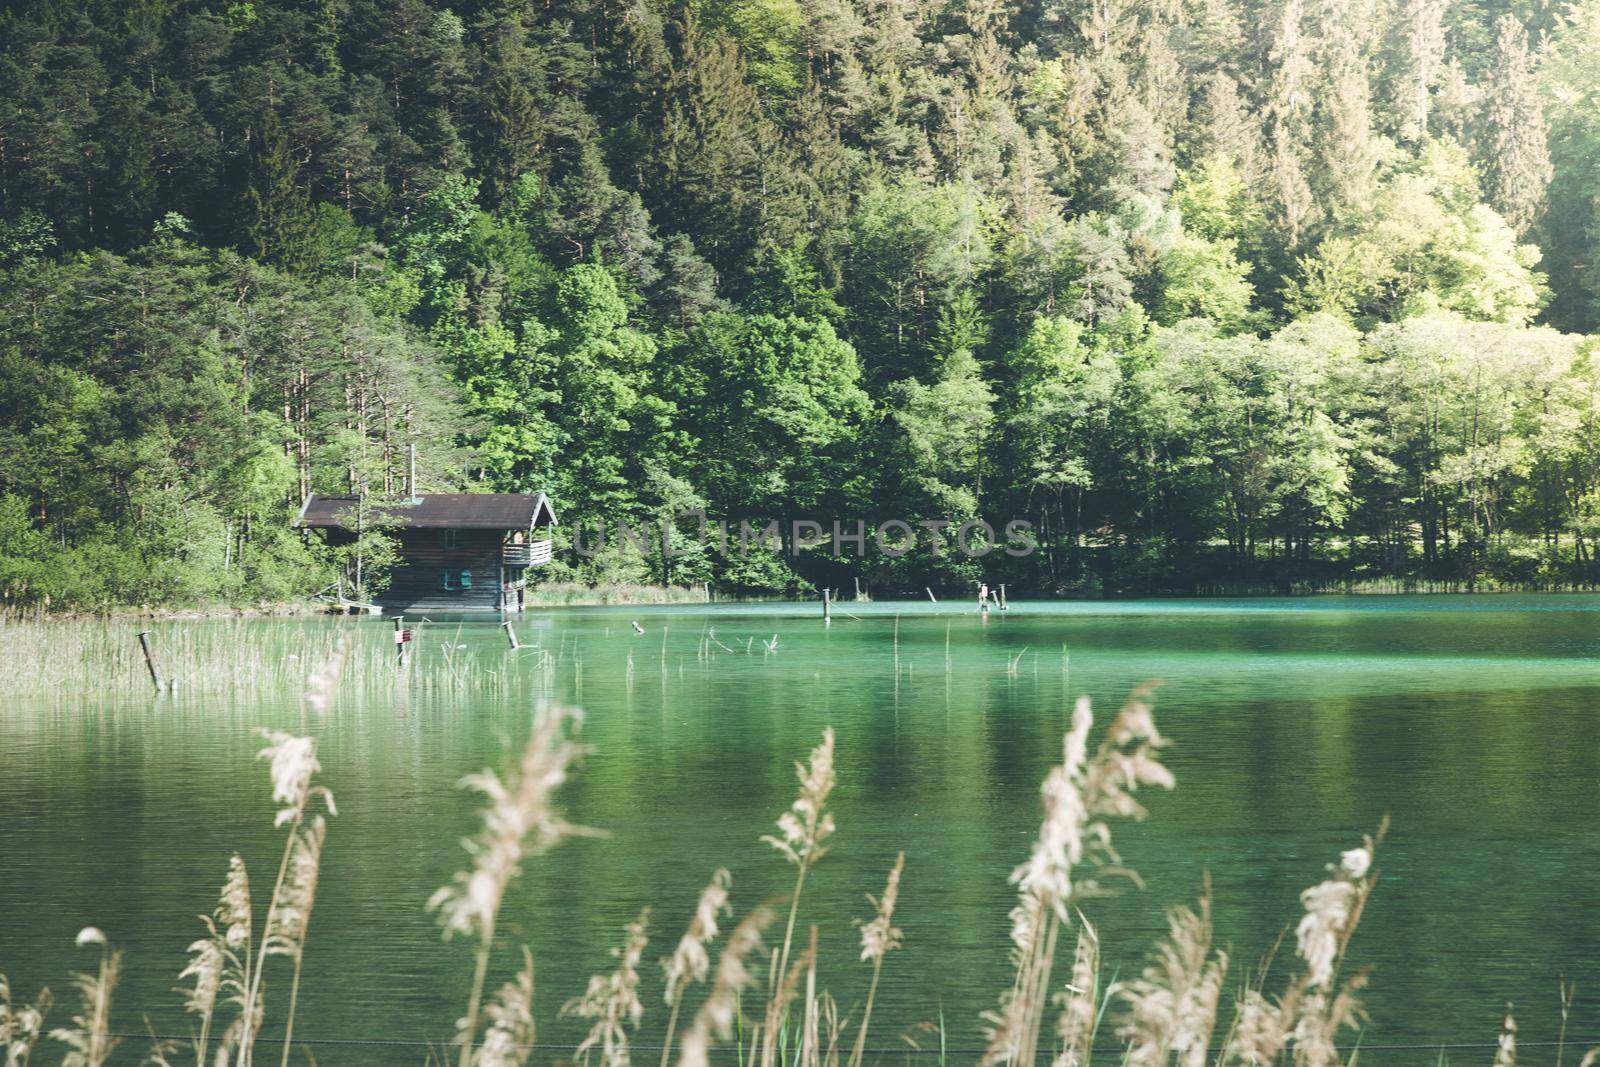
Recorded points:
(456, 551)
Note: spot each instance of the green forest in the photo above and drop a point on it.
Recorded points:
(1252, 293)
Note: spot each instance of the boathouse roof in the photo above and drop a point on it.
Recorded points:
(436, 511)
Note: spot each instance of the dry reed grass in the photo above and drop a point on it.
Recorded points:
(802, 839)
(612, 1001)
(57, 659)
(690, 962)
(508, 1041)
(20, 1026)
(1167, 1016)
(1070, 856)
(879, 937)
(520, 821)
(89, 1039)
(579, 593)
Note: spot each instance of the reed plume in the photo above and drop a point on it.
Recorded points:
(290, 918)
(20, 1028)
(508, 1042)
(1505, 1053)
(1314, 1008)
(293, 767)
(803, 834)
(1330, 908)
(714, 1020)
(88, 1040)
(1172, 1005)
(519, 821)
(325, 679)
(1333, 908)
(210, 959)
(1079, 796)
(233, 905)
(205, 967)
(1262, 1027)
(160, 1050)
(690, 961)
(234, 951)
(1075, 1026)
(612, 1000)
(879, 937)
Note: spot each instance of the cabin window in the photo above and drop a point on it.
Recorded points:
(452, 540)
(448, 580)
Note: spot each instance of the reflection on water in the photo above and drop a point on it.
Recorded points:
(1296, 726)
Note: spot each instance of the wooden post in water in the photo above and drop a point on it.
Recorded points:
(827, 608)
(1003, 605)
(399, 640)
(511, 635)
(150, 659)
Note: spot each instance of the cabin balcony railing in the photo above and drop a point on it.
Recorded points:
(531, 554)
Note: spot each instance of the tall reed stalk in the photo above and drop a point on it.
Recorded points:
(1079, 1001)
(20, 1027)
(803, 834)
(714, 1021)
(291, 919)
(89, 1039)
(690, 961)
(294, 765)
(879, 937)
(612, 1002)
(520, 821)
(1079, 796)
(508, 1041)
(811, 1018)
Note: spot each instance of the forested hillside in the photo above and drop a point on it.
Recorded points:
(1209, 290)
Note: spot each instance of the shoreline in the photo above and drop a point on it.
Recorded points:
(659, 596)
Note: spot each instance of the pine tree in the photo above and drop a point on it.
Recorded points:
(129, 184)
(1223, 126)
(730, 179)
(897, 85)
(978, 128)
(279, 221)
(687, 289)
(1290, 107)
(1421, 65)
(821, 157)
(509, 128)
(1455, 104)
(1160, 69)
(1348, 150)
(1516, 159)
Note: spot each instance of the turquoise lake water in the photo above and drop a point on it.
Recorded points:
(1472, 721)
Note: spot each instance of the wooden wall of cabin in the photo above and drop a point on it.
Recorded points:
(418, 579)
